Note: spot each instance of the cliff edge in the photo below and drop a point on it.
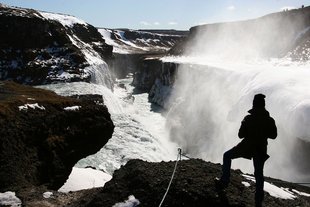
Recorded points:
(43, 135)
(193, 185)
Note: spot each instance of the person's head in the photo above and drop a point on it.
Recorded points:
(259, 101)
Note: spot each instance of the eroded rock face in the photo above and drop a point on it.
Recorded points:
(156, 78)
(42, 135)
(40, 48)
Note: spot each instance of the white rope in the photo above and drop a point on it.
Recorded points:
(175, 168)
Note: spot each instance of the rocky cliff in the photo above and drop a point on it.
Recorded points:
(43, 135)
(193, 185)
(130, 47)
(127, 41)
(156, 78)
(40, 47)
(282, 34)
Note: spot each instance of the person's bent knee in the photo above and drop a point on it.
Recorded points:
(227, 155)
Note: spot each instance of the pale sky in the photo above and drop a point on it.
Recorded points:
(160, 14)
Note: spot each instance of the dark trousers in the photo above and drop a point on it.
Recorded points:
(258, 162)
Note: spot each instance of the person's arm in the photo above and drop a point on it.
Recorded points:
(272, 129)
(242, 130)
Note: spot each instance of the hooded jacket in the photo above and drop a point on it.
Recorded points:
(255, 129)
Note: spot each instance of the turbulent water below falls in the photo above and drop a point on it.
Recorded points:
(139, 126)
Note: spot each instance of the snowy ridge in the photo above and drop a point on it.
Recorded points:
(65, 20)
(132, 41)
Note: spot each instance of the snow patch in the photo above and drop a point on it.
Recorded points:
(278, 192)
(47, 194)
(32, 106)
(131, 202)
(274, 190)
(72, 108)
(301, 193)
(246, 184)
(9, 199)
(85, 178)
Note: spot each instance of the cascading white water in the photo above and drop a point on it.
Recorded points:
(224, 67)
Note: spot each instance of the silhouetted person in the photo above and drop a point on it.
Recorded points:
(255, 129)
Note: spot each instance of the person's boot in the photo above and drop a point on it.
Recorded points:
(220, 184)
(259, 197)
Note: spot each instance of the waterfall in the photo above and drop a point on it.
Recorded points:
(210, 101)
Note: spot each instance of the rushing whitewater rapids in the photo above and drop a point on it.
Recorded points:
(211, 98)
(139, 127)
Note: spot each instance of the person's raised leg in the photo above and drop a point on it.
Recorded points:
(227, 158)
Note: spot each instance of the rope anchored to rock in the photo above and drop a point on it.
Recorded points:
(175, 168)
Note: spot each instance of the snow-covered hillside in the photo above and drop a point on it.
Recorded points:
(41, 47)
(125, 41)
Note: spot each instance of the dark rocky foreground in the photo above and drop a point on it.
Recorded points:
(193, 186)
(41, 142)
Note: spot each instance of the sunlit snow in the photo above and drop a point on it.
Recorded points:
(72, 108)
(85, 178)
(131, 202)
(47, 195)
(65, 20)
(25, 107)
(274, 190)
